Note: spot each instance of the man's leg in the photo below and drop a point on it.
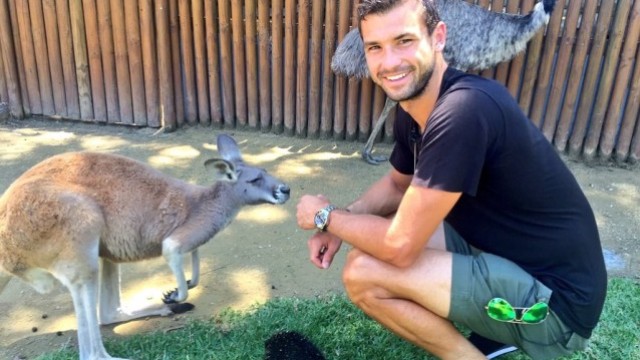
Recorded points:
(411, 302)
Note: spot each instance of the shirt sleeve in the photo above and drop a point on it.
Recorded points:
(457, 142)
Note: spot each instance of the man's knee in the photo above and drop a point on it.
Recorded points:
(354, 276)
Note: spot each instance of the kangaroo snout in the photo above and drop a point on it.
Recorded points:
(281, 194)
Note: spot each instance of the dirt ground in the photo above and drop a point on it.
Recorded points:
(261, 255)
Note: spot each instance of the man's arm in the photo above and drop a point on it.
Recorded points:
(384, 196)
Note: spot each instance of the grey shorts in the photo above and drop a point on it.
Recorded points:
(478, 277)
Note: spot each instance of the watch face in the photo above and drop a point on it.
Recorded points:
(320, 219)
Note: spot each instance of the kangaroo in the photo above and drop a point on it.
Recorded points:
(477, 39)
(74, 217)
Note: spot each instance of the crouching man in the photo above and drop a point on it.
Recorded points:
(478, 222)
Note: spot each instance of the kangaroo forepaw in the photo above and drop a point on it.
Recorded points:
(189, 285)
(169, 297)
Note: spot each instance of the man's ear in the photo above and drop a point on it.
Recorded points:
(439, 36)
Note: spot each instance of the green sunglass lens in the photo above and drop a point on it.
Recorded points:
(501, 310)
(535, 314)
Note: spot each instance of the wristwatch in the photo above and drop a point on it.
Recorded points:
(322, 217)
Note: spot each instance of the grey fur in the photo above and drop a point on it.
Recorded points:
(477, 39)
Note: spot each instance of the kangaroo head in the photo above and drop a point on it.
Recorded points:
(252, 184)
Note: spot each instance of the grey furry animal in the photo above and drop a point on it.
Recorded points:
(477, 39)
(74, 217)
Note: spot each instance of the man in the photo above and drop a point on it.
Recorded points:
(479, 222)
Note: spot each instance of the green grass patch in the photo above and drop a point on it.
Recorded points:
(343, 332)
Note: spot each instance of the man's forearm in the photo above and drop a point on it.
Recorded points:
(382, 198)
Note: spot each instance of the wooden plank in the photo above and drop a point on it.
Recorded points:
(95, 61)
(379, 98)
(327, 74)
(165, 66)
(546, 66)
(176, 65)
(496, 6)
(490, 73)
(149, 63)
(289, 64)
(353, 89)
(277, 76)
(226, 56)
(188, 66)
(613, 118)
(253, 109)
(366, 103)
(302, 67)
(315, 69)
(55, 57)
(605, 84)
(132, 27)
(264, 81)
(631, 120)
(240, 76)
(42, 61)
(213, 64)
(502, 70)
(123, 76)
(108, 61)
(517, 64)
(581, 47)
(81, 59)
(200, 60)
(341, 84)
(563, 62)
(4, 91)
(9, 67)
(17, 48)
(28, 53)
(591, 77)
(531, 71)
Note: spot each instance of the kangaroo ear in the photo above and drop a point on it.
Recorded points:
(228, 149)
(223, 170)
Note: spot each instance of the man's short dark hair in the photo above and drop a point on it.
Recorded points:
(368, 7)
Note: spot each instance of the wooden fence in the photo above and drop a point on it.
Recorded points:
(265, 65)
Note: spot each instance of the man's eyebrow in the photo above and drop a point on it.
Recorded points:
(398, 37)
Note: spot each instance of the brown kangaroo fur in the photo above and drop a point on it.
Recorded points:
(74, 217)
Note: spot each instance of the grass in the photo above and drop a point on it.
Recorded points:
(343, 332)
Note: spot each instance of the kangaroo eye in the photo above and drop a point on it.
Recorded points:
(256, 180)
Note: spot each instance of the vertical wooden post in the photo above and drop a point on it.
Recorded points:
(264, 73)
(108, 61)
(200, 61)
(17, 48)
(631, 119)
(213, 64)
(10, 67)
(186, 49)
(364, 119)
(226, 58)
(53, 51)
(561, 70)
(176, 65)
(277, 89)
(122, 61)
(253, 86)
(240, 76)
(81, 61)
(581, 47)
(165, 73)
(315, 89)
(149, 63)
(28, 53)
(340, 112)
(95, 61)
(302, 73)
(289, 66)
(326, 118)
(4, 91)
(588, 91)
(134, 52)
(502, 70)
(42, 61)
(517, 64)
(353, 96)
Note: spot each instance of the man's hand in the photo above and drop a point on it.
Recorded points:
(307, 208)
(322, 248)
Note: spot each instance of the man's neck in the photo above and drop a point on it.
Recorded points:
(420, 108)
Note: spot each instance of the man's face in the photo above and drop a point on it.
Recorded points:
(398, 50)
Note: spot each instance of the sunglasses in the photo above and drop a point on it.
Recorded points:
(500, 310)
